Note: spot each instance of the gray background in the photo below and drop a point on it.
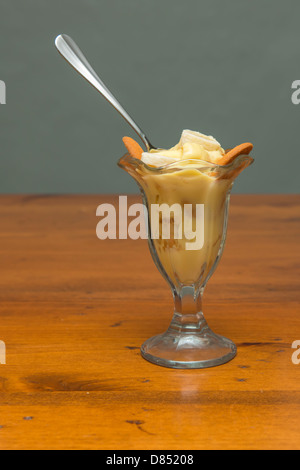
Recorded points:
(223, 67)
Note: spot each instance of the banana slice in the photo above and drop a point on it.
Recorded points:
(158, 159)
(194, 150)
(192, 146)
(207, 141)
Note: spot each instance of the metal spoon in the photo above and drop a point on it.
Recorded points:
(71, 52)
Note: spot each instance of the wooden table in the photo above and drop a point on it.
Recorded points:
(74, 311)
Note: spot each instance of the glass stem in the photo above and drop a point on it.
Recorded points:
(188, 317)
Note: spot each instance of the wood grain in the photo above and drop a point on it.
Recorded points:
(74, 311)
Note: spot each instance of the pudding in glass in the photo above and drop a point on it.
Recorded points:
(189, 185)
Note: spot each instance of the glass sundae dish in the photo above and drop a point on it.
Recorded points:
(189, 186)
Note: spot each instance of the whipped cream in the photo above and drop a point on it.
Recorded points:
(192, 145)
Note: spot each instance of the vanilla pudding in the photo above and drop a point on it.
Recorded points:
(189, 186)
(188, 174)
(191, 181)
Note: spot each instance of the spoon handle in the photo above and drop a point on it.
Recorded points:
(71, 52)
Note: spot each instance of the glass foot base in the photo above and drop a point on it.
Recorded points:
(188, 350)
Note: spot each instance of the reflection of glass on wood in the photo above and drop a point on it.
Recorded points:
(2, 353)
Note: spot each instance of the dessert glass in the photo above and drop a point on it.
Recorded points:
(188, 342)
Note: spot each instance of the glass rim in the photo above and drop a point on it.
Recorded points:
(191, 164)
